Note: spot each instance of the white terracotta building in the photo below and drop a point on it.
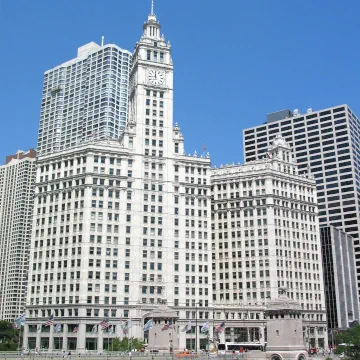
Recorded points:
(265, 236)
(121, 225)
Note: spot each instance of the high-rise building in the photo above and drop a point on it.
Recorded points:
(325, 142)
(17, 178)
(265, 236)
(341, 288)
(85, 98)
(121, 226)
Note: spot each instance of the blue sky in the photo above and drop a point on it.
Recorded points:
(235, 60)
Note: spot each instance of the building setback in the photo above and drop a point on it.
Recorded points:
(265, 236)
(340, 283)
(325, 142)
(17, 178)
(85, 98)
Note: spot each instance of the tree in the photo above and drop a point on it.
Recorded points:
(124, 344)
(349, 343)
(9, 337)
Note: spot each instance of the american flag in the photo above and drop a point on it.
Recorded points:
(105, 324)
(167, 326)
(220, 328)
(50, 320)
(76, 329)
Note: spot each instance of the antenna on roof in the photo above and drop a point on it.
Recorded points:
(102, 41)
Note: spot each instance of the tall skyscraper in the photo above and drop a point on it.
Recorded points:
(121, 226)
(341, 289)
(265, 236)
(17, 178)
(326, 142)
(85, 98)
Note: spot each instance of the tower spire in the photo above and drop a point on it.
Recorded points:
(152, 7)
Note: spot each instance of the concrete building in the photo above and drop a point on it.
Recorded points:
(17, 178)
(265, 236)
(86, 97)
(340, 281)
(121, 226)
(325, 142)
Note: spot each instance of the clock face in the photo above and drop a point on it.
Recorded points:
(156, 77)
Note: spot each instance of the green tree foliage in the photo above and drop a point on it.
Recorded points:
(124, 344)
(9, 337)
(351, 341)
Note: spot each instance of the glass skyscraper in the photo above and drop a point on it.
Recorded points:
(326, 143)
(85, 98)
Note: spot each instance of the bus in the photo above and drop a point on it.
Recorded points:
(232, 347)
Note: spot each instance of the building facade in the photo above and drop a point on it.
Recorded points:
(340, 281)
(17, 178)
(86, 97)
(325, 142)
(121, 226)
(265, 236)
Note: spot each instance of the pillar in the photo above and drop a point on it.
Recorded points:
(232, 335)
(65, 338)
(316, 337)
(182, 338)
(38, 337)
(25, 336)
(326, 338)
(222, 337)
(262, 335)
(80, 343)
(248, 335)
(51, 338)
(100, 345)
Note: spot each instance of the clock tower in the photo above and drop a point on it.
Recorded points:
(170, 191)
(151, 87)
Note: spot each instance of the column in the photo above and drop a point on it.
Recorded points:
(222, 337)
(65, 337)
(232, 336)
(316, 337)
(100, 346)
(38, 336)
(182, 338)
(262, 335)
(248, 334)
(81, 335)
(25, 336)
(326, 338)
(51, 338)
(211, 334)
